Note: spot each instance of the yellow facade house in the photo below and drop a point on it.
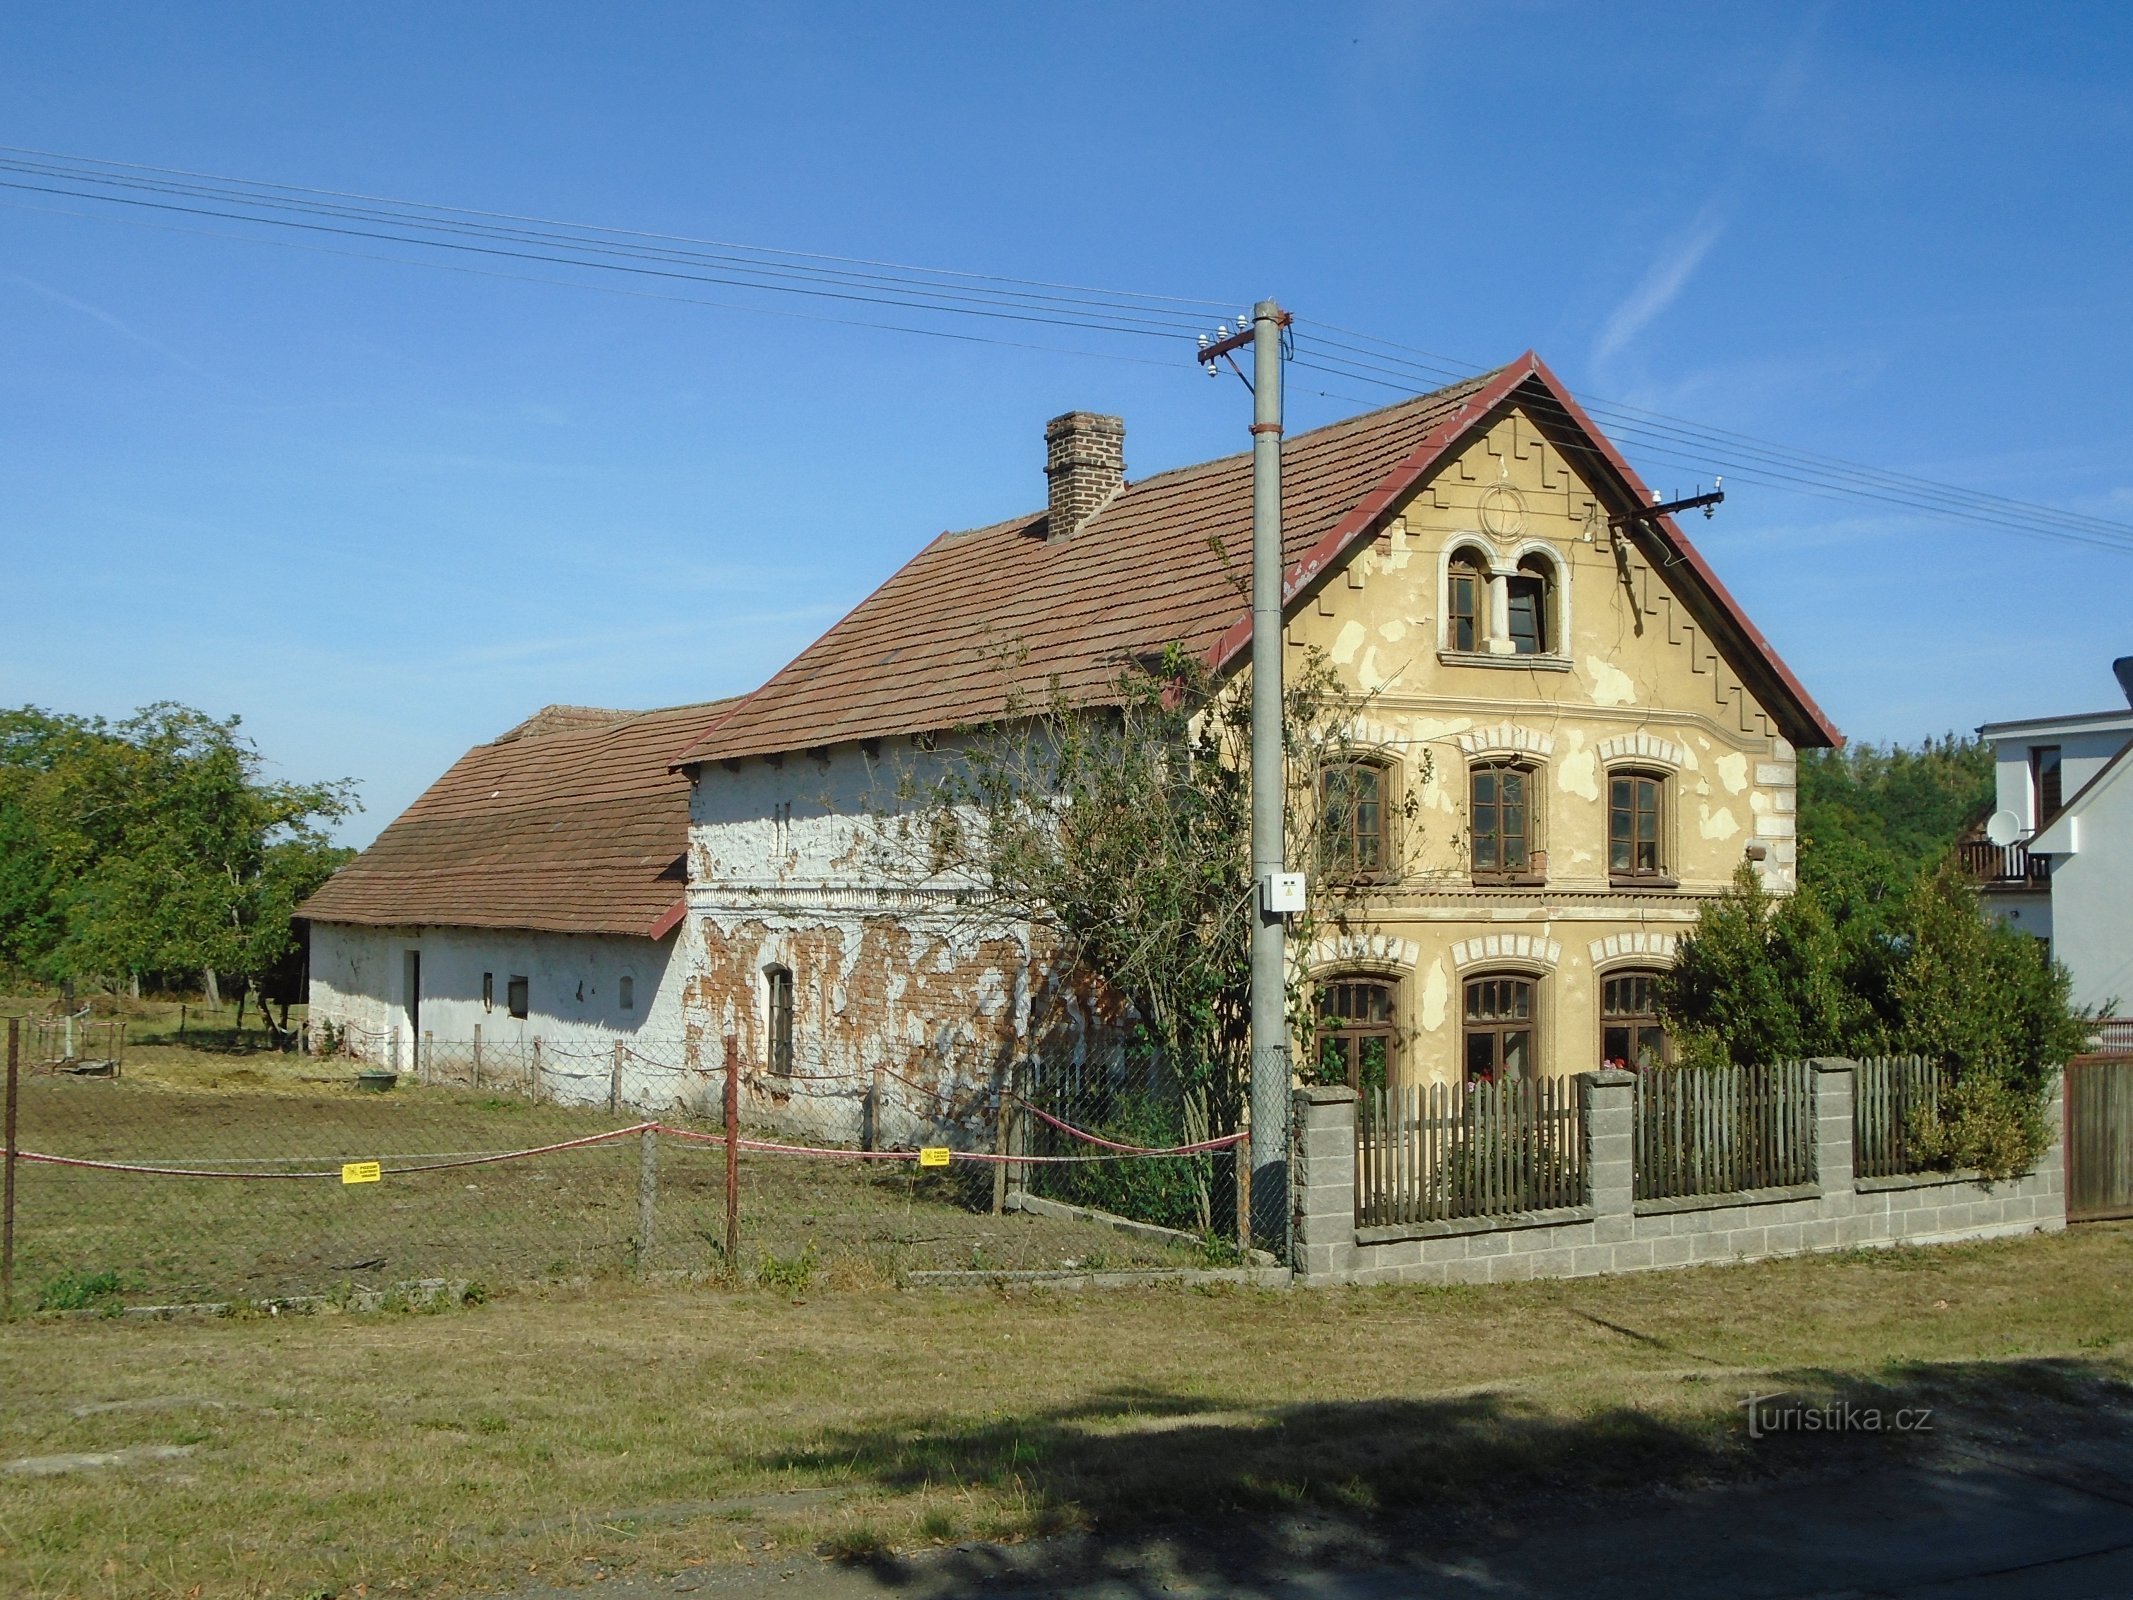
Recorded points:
(1570, 738)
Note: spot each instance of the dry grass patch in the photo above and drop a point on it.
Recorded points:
(623, 1426)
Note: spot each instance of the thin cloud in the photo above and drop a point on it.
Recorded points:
(99, 314)
(1661, 285)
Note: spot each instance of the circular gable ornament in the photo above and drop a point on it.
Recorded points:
(1503, 511)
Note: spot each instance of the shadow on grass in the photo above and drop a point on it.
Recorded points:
(1169, 1489)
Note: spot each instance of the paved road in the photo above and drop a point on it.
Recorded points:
(2041, 1523)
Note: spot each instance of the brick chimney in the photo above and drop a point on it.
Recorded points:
(1084, 466)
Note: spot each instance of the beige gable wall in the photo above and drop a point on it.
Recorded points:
(1629, 681)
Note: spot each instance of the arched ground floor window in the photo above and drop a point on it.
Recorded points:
(1358, 1038)
(1497, 1034)
(1631, 1034)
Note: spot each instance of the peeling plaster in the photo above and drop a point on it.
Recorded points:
(1579, 774)
(1611, 686)
(1393, 632)
(1733, 772)
(1717, 824)
(1436, 996)
(1348, 641)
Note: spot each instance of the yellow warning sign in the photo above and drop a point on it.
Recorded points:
(933, 1155)
(361, 1172)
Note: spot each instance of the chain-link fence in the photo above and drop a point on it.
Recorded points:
(293, 1175)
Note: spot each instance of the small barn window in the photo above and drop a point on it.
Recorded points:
(488, 991)
(778, 994)
(515, 996)
(626, 992)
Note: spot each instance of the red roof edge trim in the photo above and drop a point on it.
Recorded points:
(1378, 501)
(682, 760)
(1694, 557)
(669, 921)
(1426, 455)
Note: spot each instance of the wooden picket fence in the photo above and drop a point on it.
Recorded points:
(1719, 1130)
(1893, 1097)
(1428, 1152)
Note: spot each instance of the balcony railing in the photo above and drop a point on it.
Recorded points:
(2003, 866)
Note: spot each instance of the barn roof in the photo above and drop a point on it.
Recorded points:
(980, 620)
(572, 822)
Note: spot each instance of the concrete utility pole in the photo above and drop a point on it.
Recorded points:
(1275, 893)
(1271, 1078)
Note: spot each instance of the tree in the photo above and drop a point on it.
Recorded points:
(154, 846)
(1121, 832)
(1766, 979)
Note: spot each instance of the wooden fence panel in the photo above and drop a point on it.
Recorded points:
(1893, 1099)
(2099, 1139)
(1429, 1152)
(1719, 1130)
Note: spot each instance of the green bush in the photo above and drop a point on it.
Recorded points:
(1169, 1192)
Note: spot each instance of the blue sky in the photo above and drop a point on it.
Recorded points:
(384, 512)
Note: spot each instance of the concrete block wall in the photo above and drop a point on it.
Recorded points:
(1616, 1232)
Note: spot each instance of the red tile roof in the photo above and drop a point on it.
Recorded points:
(978, 619)
(572, 822)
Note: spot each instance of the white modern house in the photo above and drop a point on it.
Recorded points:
(2057, 861)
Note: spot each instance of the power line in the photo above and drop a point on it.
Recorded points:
(294, 215)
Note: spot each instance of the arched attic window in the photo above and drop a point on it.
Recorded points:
(1466, 602)
(1532, 604)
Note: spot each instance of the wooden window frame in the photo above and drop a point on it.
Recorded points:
(777, 1016)
(1659, 875)
(1466, 565)
(1534, 868)
(2047, 781)
(1542, 576)
(1498, 1026)
(1340, 853)
(1351, 1036)
(1636, 1021)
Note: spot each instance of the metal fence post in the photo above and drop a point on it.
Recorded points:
(536, 1093)
(426, 1068)
(7, 1203)
(614, 1082)
(477, 1056)
(1003, 1141)
(647, 1193)
(733, 1154)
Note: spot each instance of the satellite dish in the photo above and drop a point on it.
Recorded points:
(2003, 828)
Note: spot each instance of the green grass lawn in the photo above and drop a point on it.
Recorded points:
(572, 1430)
(99, 1238)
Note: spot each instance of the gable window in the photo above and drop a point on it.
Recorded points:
(1500, 821)
(1630, 1031)
(2046, 782)
(1353, 819)
(1498, 1031)
(777, 984)
(1357, 1036)
(515, 996)
(1635, 802)
(1530, 592)
(1466, 593)
(626, 992)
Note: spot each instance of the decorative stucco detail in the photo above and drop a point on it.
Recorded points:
(1507, 738)
(1642, 746)
(1655, 946)
(1383, 949)
(1506, 947)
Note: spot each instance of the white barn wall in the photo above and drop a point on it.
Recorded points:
(359, 981)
